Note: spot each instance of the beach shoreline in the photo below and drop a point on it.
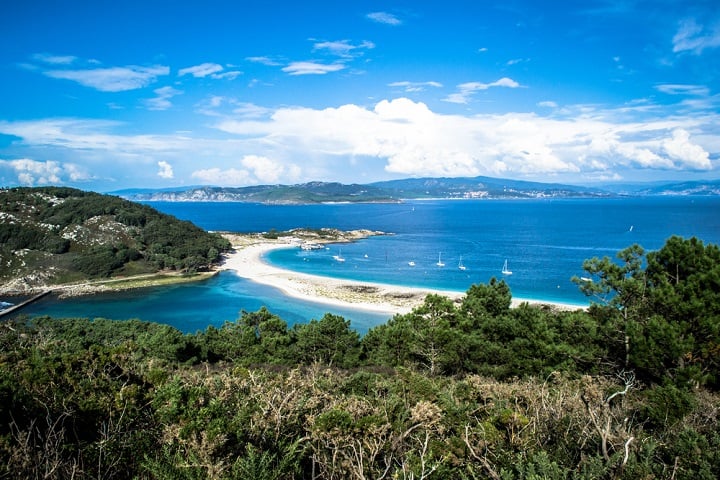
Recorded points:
(247, 261)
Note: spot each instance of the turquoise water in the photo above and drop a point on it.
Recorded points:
(195, 306)
(544, 242)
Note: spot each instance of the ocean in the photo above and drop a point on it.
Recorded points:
(544, 242)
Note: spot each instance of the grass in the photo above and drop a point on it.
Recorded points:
(153, 280)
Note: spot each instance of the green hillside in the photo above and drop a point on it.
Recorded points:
(53, 235)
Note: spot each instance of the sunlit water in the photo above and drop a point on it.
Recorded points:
(544, 242)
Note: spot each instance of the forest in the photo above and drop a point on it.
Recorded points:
(473, 389)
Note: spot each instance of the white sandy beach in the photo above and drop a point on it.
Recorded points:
(247, 261)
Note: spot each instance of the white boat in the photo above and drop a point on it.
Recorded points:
(339, 257)
(460, 264)
(505, 270)
(440, 262)
(411, 263)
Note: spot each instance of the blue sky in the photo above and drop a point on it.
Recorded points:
(105, 95)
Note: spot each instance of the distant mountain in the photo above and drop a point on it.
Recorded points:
(312, 192)
(388, 191)
(483, 187)
(702, 187)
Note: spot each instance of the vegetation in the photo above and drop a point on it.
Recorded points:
(55, 234)
(468, 390)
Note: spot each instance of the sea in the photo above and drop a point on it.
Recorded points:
(543, 241)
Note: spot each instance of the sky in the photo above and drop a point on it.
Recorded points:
(107, 95)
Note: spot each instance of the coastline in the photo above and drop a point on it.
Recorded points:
(247, 262)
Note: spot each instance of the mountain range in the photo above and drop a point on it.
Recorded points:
(413, 188)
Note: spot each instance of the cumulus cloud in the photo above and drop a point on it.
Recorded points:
(162, 101)
(256, 169)
(467, 90)
(224, 178)
(312, 68)
(263, 168)
(32, 172)
(417, 141)
(384, 17)
(165, 170)
(693, 37)
(684, 152)
(113, 79)
(346, 142)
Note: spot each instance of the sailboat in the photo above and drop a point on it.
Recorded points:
(505, 270)
(339, 257)
(440, 262)
(460, 264)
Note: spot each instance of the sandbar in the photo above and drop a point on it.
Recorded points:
(246, 260)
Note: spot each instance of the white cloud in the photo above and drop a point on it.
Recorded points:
(54, 59)
(686, 153)
(32, 172)
(162, 101)
(312, 68)
(83, 136)
(165, 170)
(231, 75)
(548, 104)
(415, 86)
(264, 169)
(200, 71)
(466, 90)
(256, 169)
(416, 141)
(264, 61)
(692, 37)
(225, 178)
(682, 89)
(349, 142)
(384, 17)
(113, 79)
(343, 48)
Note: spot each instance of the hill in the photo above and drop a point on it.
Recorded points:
(55, 235)
(705, 187)
(312, 192)
(388, 191)
(483, 187)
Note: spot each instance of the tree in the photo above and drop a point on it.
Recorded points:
(668, 314)
(329, 341)
(684, 279)
(621, 287)
(482, 301)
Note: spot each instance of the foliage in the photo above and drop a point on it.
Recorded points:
(666, 317)
(102, 234)
(471, 389)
